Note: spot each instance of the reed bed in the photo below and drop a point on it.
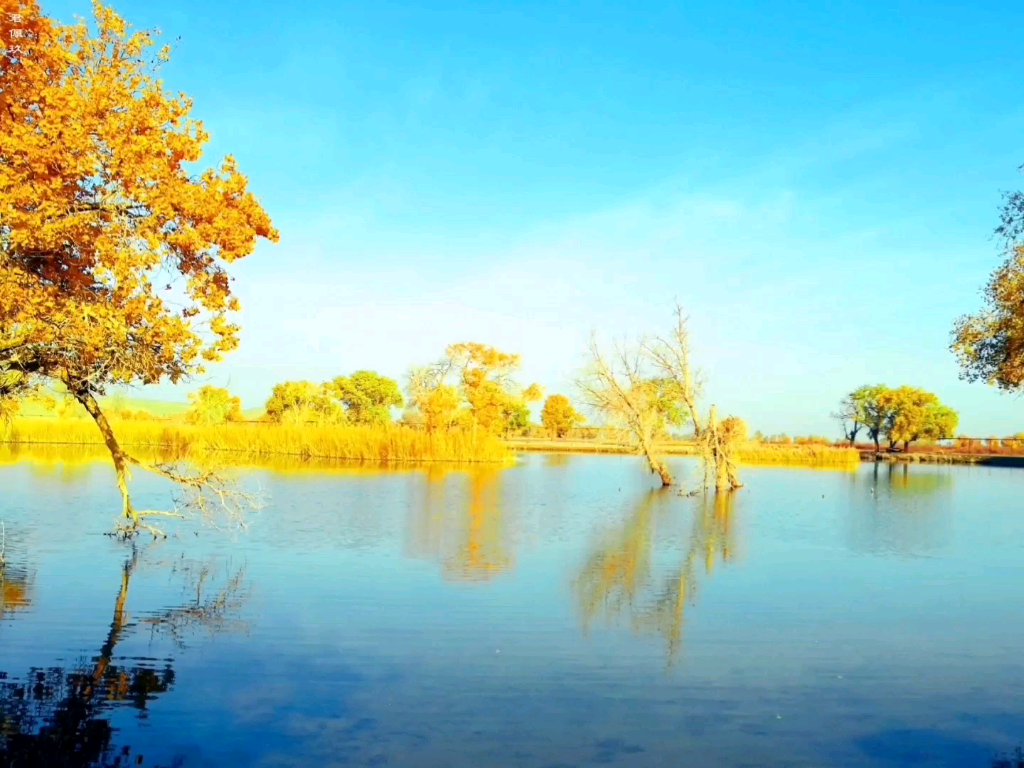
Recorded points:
(387, 444)
(815, 455)
(806, 455)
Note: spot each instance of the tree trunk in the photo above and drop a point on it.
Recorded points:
(721, 473)
(85, 397)
(657, 465)
(666, 478)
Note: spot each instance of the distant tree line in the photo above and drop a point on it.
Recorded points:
(470, 388)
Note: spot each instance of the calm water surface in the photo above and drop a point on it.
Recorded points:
(558, 613)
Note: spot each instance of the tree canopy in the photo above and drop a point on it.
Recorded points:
(900, 415)
(857, 411)
(113, 249)
(213, 405)
(472, 387)
(558, 416)
(367, 396)
(989, 345)
(301, 402)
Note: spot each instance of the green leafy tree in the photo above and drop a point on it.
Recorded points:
(213, 405)
(900, 415)
(367, 396)
(559, 417)
(516, 416)
(855, 413)
(875, 409)
(297, 402)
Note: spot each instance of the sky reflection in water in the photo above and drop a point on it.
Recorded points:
(556, 613)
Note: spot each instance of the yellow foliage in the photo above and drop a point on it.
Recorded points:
(558, 416)
(102, 213)
(734, 430)
(486, 397)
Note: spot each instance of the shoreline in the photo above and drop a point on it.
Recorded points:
(530, 445)
(983, 459)
(783, 454)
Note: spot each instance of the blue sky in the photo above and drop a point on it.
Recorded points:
(817, 183)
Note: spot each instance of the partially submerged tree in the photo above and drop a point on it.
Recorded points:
(558, 416)
(100, 216)
(642, 388)
(212, 406)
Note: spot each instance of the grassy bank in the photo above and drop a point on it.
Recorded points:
(392, 443)
(992, 460)
(751, 453)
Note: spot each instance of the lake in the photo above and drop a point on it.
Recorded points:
(556, 613)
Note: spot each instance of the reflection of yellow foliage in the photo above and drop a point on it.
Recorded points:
(483, 555)
(73, 461)
(459, 526)
(617, 578)
(615, 572)
(13, 592)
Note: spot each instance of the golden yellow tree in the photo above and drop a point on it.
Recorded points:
(483, 397)
(558, 416)
(112, 251)
(485, 376)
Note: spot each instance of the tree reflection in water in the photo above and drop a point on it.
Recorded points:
(462, 527)
(619, 579)
(14, 590)
(57, 717)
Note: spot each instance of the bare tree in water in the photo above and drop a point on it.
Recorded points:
(645, 387)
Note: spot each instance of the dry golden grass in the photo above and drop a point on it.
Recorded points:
(392, 443)
(751, 453)
(806, 455)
